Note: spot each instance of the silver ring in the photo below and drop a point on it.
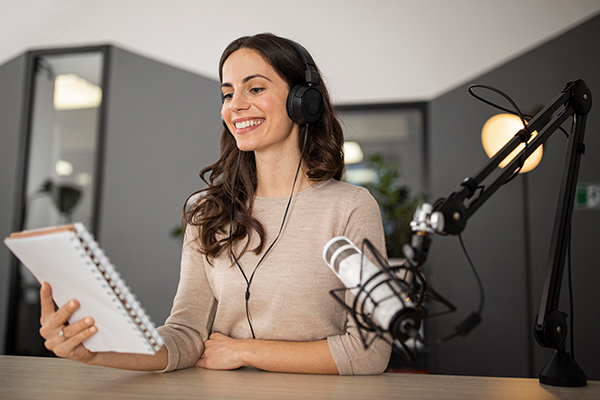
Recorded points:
(62, 333)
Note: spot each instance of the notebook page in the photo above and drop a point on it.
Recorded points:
(61, 260)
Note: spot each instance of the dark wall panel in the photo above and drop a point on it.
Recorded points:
(11, 99)
(163, 127)
(494, 236)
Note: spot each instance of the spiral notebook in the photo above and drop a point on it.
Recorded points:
(71, 261)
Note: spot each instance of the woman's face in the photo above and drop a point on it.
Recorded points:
(254, 106)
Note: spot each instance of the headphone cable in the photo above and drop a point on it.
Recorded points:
(249, 281)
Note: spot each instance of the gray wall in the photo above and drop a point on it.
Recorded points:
(163, 127)
(494, 236)
(11, 94)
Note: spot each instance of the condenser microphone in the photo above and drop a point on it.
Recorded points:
(383, 299)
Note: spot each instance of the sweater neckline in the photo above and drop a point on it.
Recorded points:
(296, 195)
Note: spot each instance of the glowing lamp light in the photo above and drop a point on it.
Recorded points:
(72, 92)
(63, 168)
(500, 129)
(353, 154)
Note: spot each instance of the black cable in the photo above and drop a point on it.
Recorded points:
(479, 283)
(249, 281)
(516, 111)
(467, 324)
(516, 172)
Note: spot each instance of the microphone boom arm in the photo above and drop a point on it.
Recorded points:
(455, 224)
(449, 215)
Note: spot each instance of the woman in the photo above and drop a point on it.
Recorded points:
(254, 290)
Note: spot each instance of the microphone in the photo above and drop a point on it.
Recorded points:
(380, 295)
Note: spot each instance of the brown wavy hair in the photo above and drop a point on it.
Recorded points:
(323, 159)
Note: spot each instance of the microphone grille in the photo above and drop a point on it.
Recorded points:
(333, 245)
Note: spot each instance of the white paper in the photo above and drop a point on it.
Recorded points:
(61, 260)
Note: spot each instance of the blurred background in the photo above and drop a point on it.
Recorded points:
(109, 109)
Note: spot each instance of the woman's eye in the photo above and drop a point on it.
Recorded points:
(227, 96)
(256, 90)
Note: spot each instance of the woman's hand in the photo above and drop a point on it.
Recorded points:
(222, 352)
(68, 343)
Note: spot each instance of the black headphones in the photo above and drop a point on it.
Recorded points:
(304, 102)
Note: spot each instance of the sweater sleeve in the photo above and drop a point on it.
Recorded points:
(349, 354)
(192, 315)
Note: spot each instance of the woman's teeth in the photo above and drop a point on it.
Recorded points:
(245, 124)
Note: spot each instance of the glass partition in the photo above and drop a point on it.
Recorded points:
(61, 165)
(396, 132)
(385, 151)
(63, 140)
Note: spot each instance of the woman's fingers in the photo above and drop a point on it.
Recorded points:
(72, 330)
(61, 316)
(52, 322)
(48, 315)
(46, 301)
(83, 328)
(72, 347)
(64, 340)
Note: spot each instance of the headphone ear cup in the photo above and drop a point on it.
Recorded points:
(292, 107)
(304, 104)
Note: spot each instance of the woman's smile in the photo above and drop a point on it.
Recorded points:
(245, 125)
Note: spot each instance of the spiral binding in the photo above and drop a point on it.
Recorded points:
(123, 292)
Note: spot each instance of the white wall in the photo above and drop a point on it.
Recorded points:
(369, 50)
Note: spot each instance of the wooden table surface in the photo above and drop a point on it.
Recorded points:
(52, 378)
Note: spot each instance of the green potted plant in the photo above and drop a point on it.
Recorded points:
(397, 206)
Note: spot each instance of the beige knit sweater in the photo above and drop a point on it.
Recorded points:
(289, 294)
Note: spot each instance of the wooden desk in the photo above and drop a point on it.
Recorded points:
(52, 378)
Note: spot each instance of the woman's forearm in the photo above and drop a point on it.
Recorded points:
(298, 357)
(136, 362)
(223, 352)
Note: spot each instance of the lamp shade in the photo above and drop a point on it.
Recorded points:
(498, 131)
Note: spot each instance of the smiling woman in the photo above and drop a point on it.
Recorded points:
(254, 289)
(254, 108)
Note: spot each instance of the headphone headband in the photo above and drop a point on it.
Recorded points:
(310, 75)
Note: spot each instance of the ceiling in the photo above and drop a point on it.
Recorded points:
(369, 51)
